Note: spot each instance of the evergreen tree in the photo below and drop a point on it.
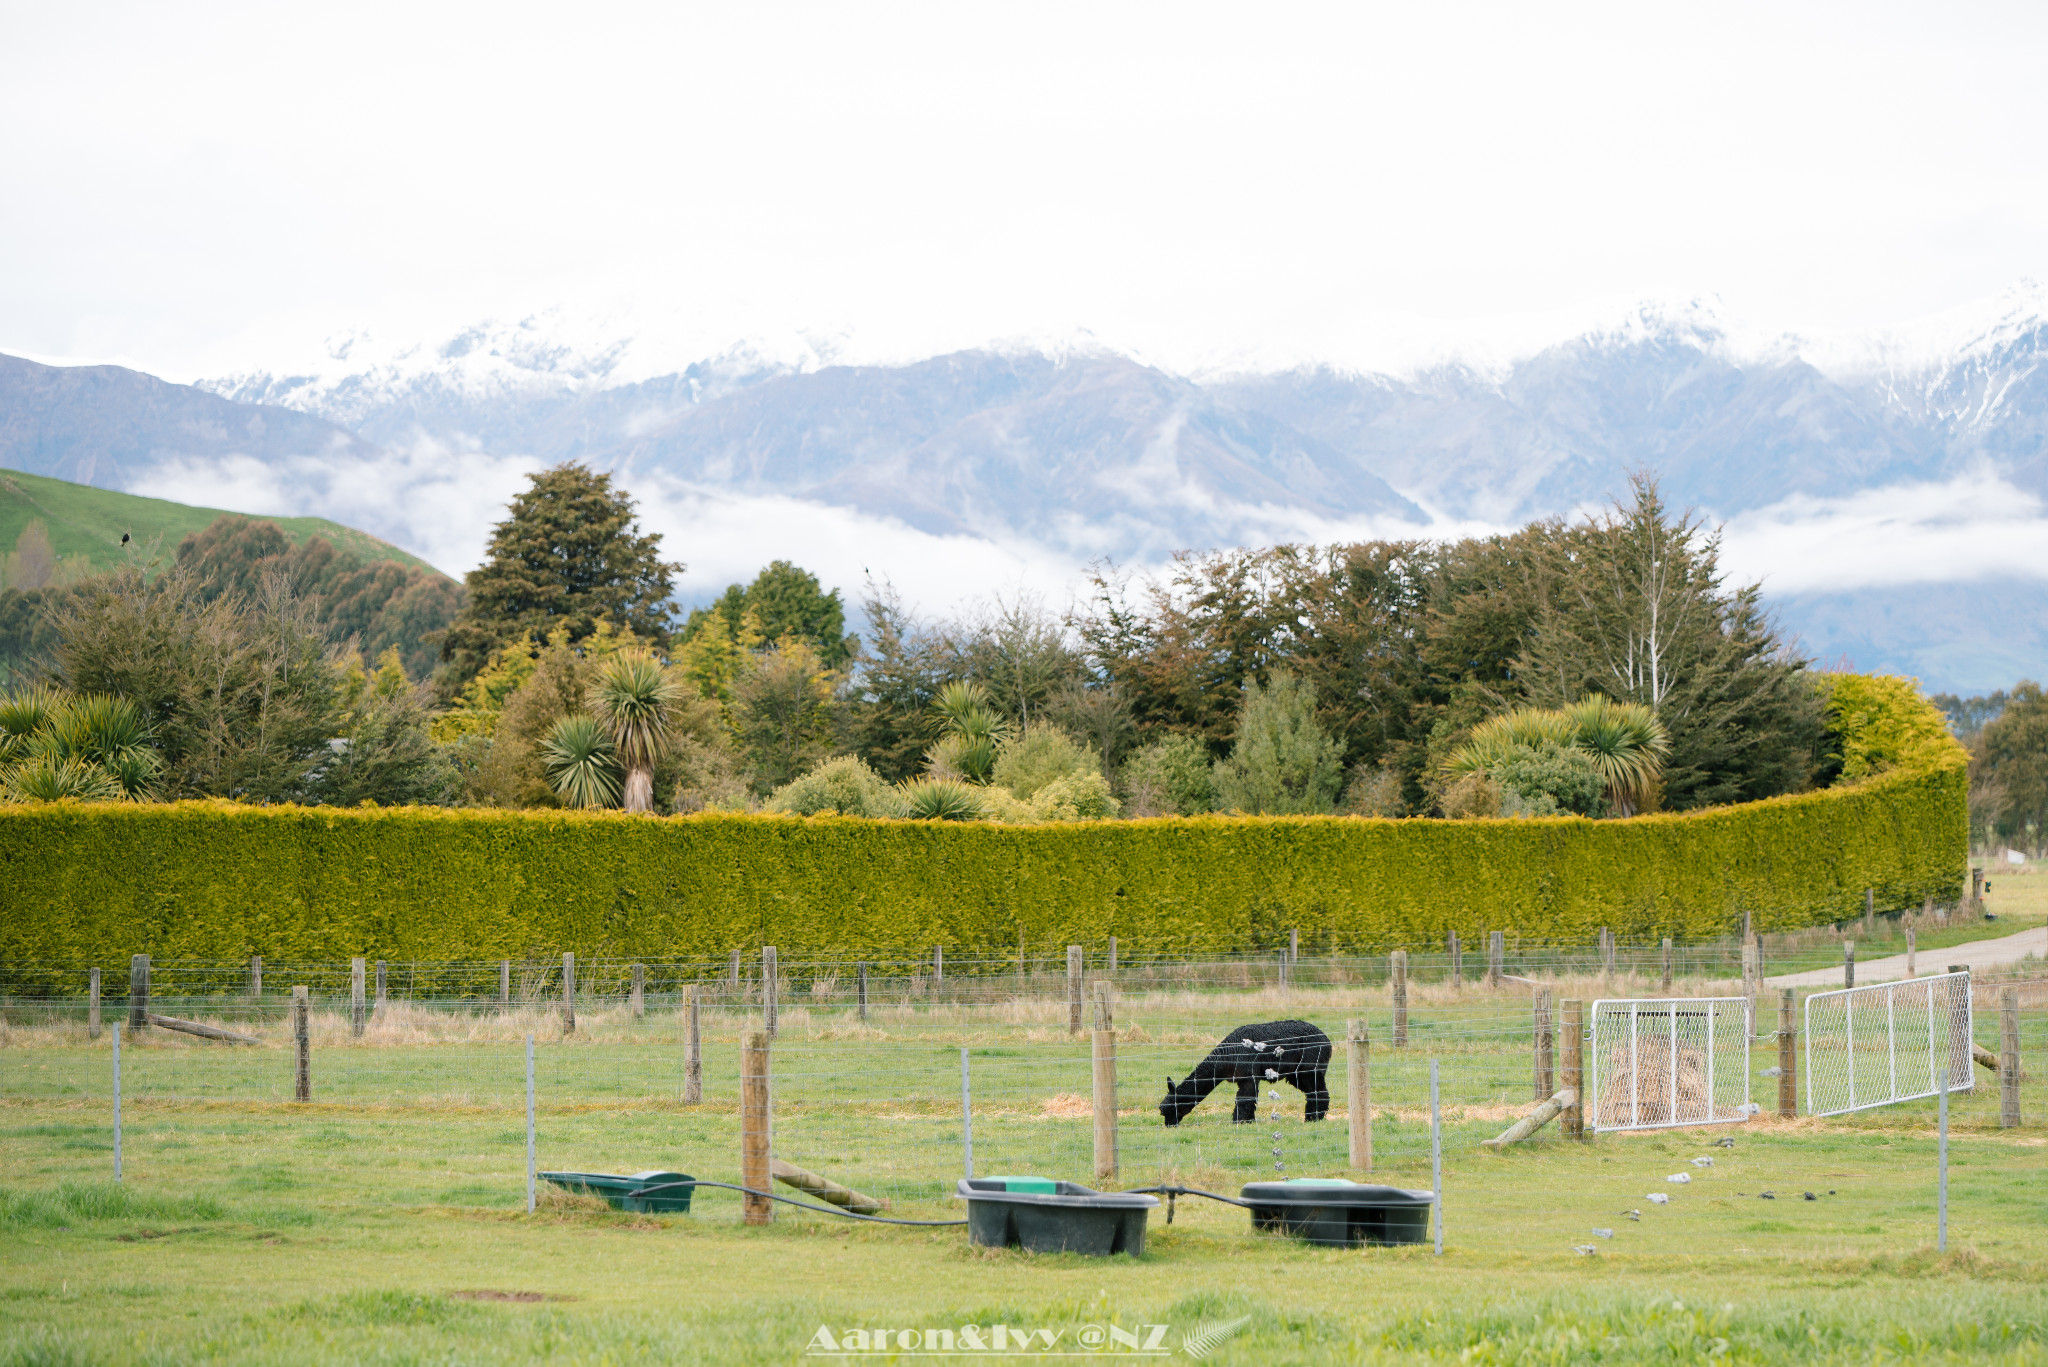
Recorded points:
(1283, 762)
(787, 603)
(570, 553)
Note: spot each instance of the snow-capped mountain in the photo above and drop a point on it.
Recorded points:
(1038, 453)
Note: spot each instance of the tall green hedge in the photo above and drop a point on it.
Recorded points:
(94, 883)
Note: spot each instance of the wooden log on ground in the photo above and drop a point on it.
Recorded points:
(203, 1031)
(824, 1188)
(1534, 1121)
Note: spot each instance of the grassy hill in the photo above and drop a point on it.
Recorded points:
(82, 521)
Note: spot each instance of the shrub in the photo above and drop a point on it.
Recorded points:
(1075, 797)
(845, 785)
(941, 799)
(1543, 780)
(1283, 762)
(1026, 763)
(1171, 777)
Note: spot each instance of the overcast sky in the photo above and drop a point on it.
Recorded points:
(186, 187)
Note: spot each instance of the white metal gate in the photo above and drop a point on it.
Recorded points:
(1669, 1061)
(1888, 1042)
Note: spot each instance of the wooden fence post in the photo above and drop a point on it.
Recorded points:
(1496, 958)
(756, 1127)
(1543, 1080)
(732, 976)
(356, 1010)
(1399, 967)
(693, 1048)
(1869, 911)
(1104, 1076)
(138, 994)
(861, 970)
(637, 1002)
(1848, 963)
(1073, 989)
(302, 1044)
(92, 1006)
(504, 984)
(2008, 1058)
(1358, 1105)
(378, 1012)
(1112, 954)
(1293, 947)
(1607, 954)
(1911, 954)
(771, 984)
(1457, 962)
(1788, 1054)
(256, 975)
(1667, 966)
(939, 964)
(1573, 1120)
(568, 994)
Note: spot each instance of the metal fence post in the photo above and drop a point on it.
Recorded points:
(966, 1114)
(529, 1125)
(1436, 1159)
(1941, 1166)
(117, 1103)
(2008, 1058)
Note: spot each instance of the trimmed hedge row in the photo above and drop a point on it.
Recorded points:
(95, 883)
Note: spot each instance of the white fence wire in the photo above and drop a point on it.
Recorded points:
(1663, 1062)
(1886, 1043)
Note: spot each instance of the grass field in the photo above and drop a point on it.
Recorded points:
(85, 524)
(385, 1221)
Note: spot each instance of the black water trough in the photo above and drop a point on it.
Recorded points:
(1331, 1210)
(628, 1193)
(1048, 1216)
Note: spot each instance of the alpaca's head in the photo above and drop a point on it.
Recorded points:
(1175, 1103)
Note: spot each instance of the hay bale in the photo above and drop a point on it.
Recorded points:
(1648, 1077)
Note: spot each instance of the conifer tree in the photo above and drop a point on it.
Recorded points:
(569, 554)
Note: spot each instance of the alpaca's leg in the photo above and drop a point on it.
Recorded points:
(1317, 1087)
(1247, 1101)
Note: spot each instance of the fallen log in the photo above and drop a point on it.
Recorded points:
(824, 1188)
(1989, 1058)
(1535, 1120)
(203, 1031)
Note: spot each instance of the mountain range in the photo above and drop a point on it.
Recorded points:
(1079, 451)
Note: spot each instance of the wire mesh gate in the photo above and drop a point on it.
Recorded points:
(1661, 1062)
(1886, 1043)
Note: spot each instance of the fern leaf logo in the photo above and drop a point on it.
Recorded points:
(1204, 1339)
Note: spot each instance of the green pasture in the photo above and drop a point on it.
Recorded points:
(256, 1233)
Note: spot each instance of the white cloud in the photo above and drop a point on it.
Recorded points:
(437, 503)
(1970, 528)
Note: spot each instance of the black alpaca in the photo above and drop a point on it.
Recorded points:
(1293, 1052)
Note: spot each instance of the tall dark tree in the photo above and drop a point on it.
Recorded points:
(789, 604)
(2011, 764)
(570, 552)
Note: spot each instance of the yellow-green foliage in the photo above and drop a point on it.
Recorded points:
(1883, 723)
(96, 882)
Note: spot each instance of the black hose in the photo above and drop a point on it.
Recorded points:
(801, 1205)
(1189, 1191)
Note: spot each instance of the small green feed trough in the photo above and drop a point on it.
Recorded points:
(1049, 1216)
(629, 1193)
